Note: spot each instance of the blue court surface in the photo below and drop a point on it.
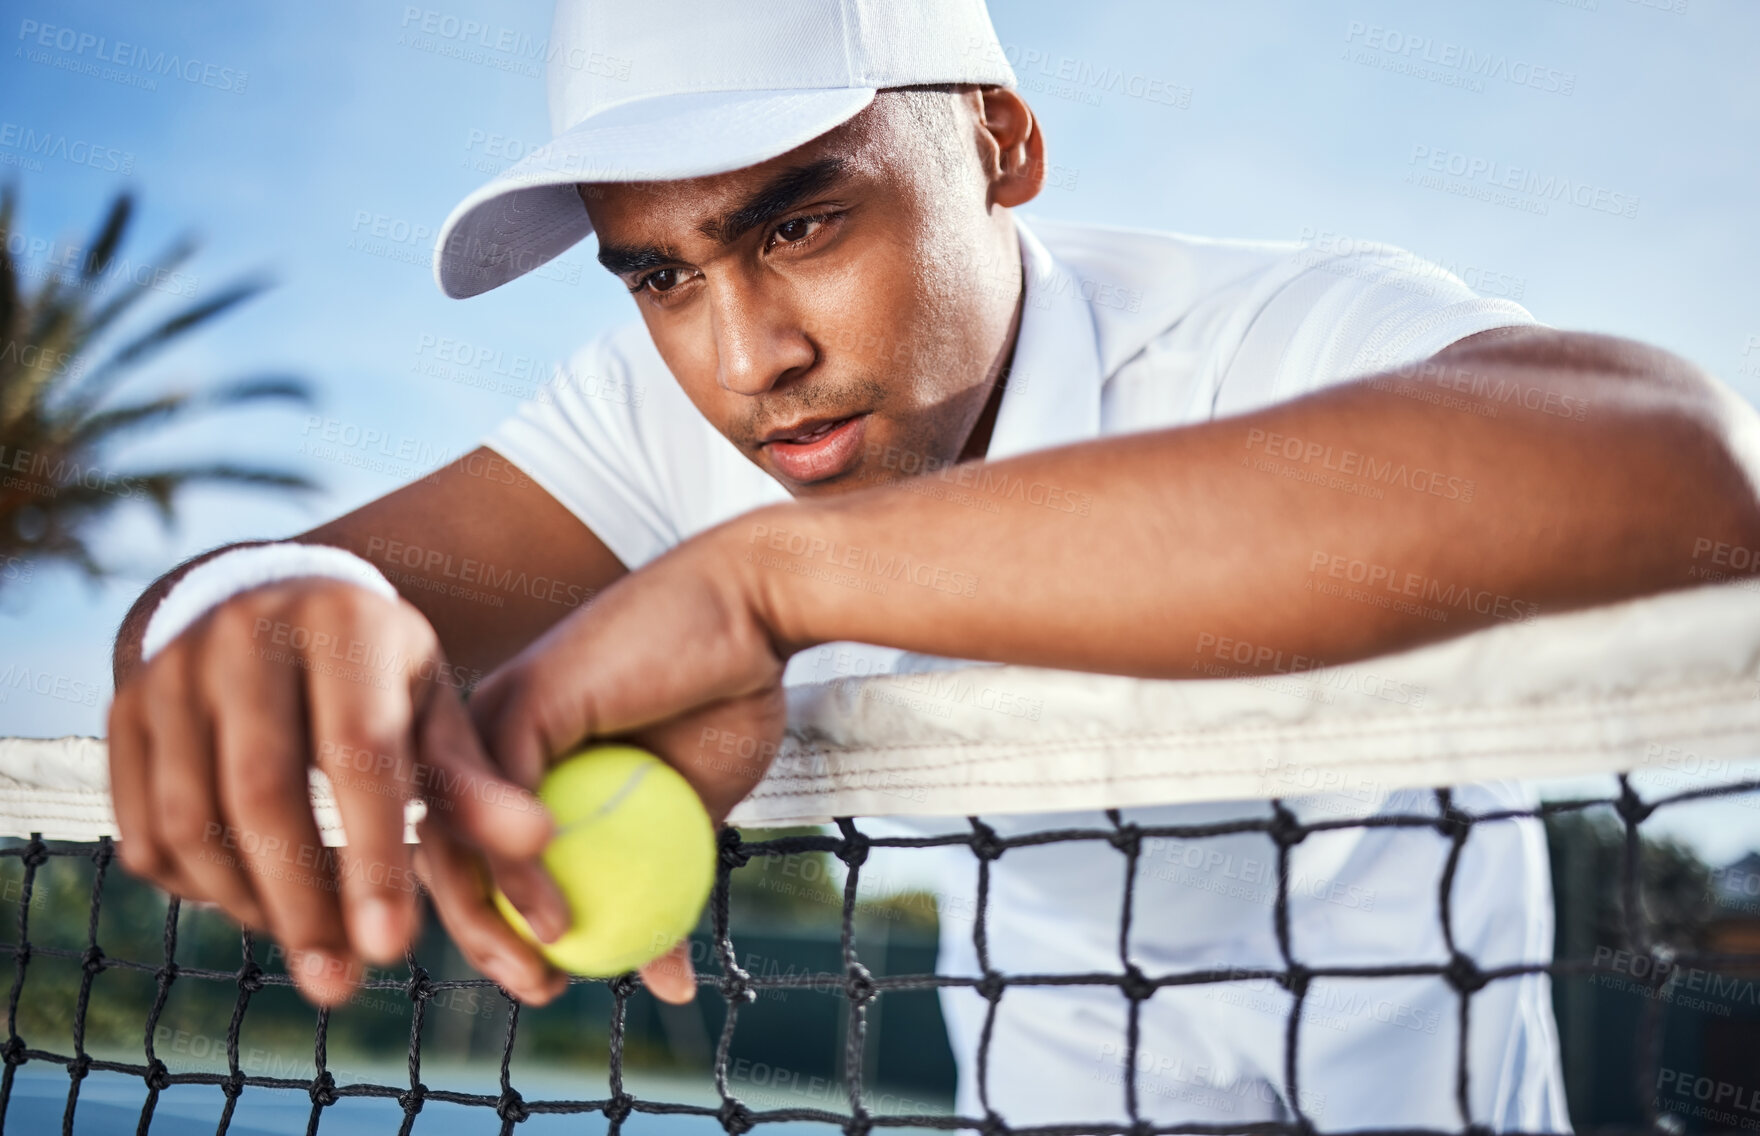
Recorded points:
(111, 1104)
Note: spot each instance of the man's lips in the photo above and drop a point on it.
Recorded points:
(815, 450)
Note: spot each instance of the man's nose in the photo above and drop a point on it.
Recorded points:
(758, 336)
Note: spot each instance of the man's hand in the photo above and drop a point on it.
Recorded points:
(673, 658)
(664, 656)
(210, 743)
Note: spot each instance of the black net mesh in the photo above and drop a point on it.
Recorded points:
(1657, 962)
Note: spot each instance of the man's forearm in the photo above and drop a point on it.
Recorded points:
(1357, 521)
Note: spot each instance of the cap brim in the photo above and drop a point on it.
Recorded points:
(531, 212)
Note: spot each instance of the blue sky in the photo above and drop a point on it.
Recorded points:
(322, 143)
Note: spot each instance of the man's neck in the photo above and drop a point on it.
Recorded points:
(978, 441)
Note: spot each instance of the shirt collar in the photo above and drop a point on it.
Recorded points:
(1053, 392)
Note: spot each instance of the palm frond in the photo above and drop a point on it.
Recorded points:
(125, 299)
(68, 336)
(10, 309)
(143, 346)
(162, 486)
(58, 410)
(103, 246)
(105, 426)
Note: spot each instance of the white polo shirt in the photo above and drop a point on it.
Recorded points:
(1126, 330)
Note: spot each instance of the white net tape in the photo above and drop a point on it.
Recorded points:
(1608, 689)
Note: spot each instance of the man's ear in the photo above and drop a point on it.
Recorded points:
(1017, 165)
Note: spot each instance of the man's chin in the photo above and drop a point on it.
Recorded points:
(853, 479)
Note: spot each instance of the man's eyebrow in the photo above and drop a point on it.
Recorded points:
(774, 198)
(621, 259)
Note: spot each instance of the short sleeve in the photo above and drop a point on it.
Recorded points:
(1341, 316)
(578, 440)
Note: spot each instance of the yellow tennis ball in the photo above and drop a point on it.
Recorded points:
(634, 854)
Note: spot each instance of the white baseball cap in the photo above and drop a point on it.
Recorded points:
(645, 91)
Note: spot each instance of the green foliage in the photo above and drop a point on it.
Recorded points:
(1588, 871)
(63, 356)
(805, 890)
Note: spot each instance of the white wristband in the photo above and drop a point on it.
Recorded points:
(215, 581)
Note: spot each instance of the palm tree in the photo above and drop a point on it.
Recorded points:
(58, 418)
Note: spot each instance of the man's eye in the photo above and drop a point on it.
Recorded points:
(662, 281)
(799, 229)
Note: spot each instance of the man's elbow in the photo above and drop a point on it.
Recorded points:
(1685, 446)
(1712, 435)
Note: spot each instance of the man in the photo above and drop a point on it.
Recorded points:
(1126, 446)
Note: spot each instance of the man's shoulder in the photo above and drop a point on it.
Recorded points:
(625, 350)
(1153, 255)
(619, 373)
(1143, 282)
(1140, 282)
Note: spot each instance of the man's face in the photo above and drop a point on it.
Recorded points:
(840, 307)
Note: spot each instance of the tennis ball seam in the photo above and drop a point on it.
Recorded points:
(610, 924)
(610, 803)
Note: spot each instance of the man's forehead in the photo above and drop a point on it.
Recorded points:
(641, 224)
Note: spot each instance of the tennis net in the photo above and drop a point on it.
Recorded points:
(1660, 973)
(1652, 976)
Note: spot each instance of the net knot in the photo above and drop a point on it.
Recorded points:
(36, 853)
(92, 960)
(735, 1117)
(993, 1125)
(618, 1108)
(1296, 979)
(1285, 829)
(412, 1098)
(990, 986)
(158, 1077)
(250, 977)
(1632, 808)
(1142, 1128)
(511, 1107)
(80, 1066)
(624, 985)
(733, 853)
(860, 1124)
(166, 974)
(1464, 974)
(323, 1089)
(1454, 823)
(13, 1051)
(736, 986)
(233, 1085)
(1127, 839)
(986, 845)
(1136, 984)
(859, 985)
(420, 987)
(853, 851)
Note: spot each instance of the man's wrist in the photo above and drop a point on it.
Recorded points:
(773, 552)
(242, 568)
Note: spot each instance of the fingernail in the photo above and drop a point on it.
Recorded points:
(320, 975)
(503, 971)
(376, 931)
(541, 902)
(548, 918)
